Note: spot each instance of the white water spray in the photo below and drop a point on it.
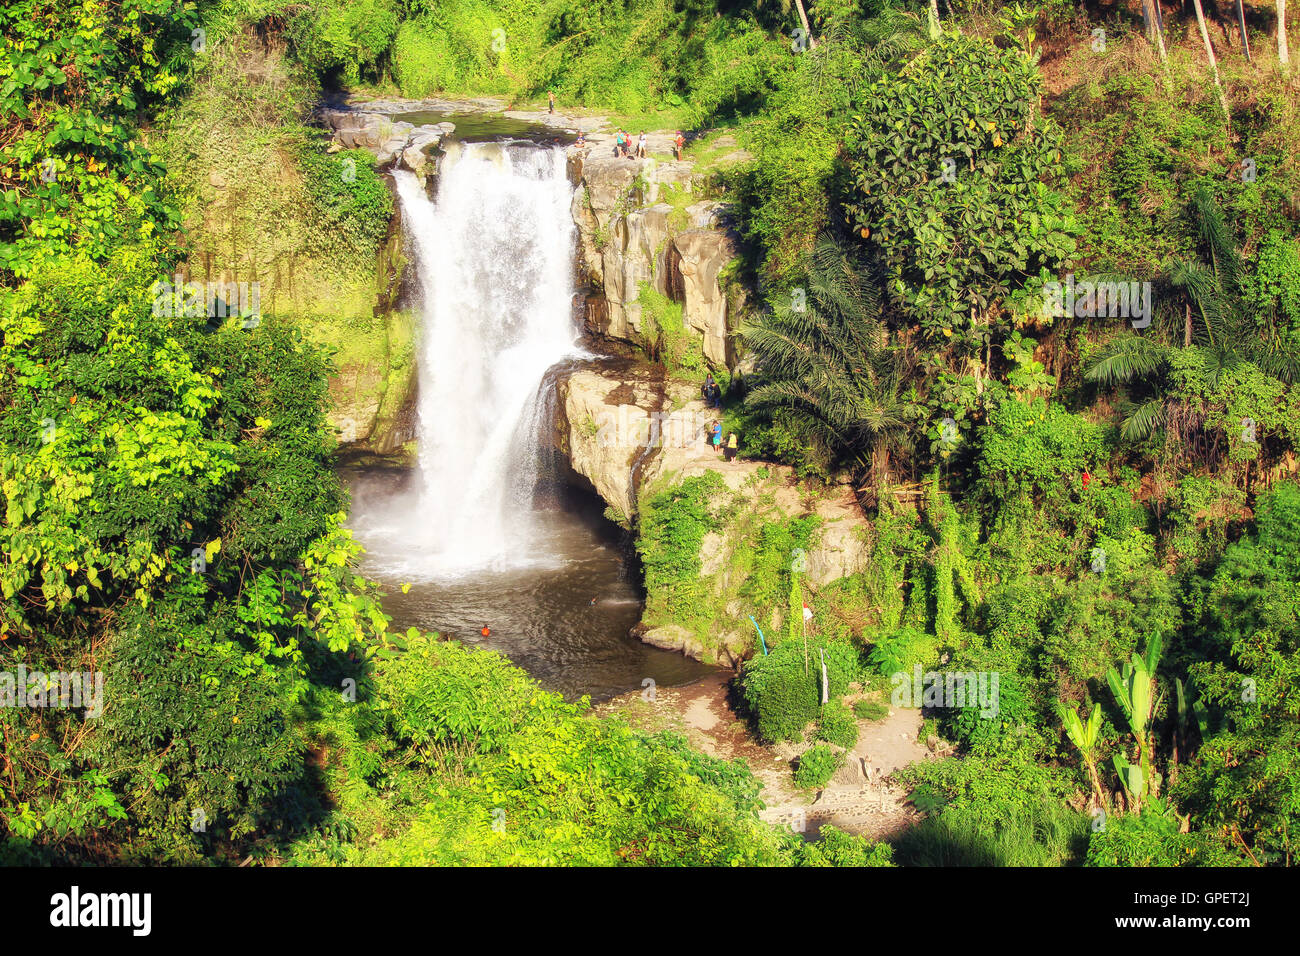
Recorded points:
(494, 255)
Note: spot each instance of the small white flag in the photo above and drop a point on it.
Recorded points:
(807, 613)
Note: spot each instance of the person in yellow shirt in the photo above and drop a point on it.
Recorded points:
(733, 446)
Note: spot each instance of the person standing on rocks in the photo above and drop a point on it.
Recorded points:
(733, 446)
(550, 99)
(641, 146)
(679, 143)
(716, 438)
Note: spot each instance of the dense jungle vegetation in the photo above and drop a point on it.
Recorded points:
(1101, 508)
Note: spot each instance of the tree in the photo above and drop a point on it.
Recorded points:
(1223, 330)
(1282, 53)
(1245, 780)
(1209, 53)
(823, 364)
(943, 156)
(1241, 24)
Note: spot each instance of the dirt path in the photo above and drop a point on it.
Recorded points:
(859, 798)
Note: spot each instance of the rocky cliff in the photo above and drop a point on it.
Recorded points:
(630, 434)
(641, 222)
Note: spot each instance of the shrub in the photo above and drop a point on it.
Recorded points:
(782, 697)
(837, 725)
(900, 651)
(817, 765)
(834, 847)
(1151, 838)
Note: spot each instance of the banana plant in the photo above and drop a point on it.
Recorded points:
(1084, 737)
(1133, 778)
(1135, 692)
(1186, 711)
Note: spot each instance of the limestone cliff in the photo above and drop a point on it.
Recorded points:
(638, 225)
(630, 435)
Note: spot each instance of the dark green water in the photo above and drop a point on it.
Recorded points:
(488, 127)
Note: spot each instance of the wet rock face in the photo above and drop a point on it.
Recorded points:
(411, 147)
(628, 236)
(628, 433)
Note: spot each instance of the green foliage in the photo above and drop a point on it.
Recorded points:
(900, 651)
(1031, 447)
(996, 810)
(663, 328)
(779, 549)
(353, 204)
(1152, 838)
(789, 192)
(671, 529)
(783, 691)
(344, 36)
(1241, 785)
(981, 731)
(870, 710)
(817, 765)
(837, 725)
(509, 774)
(944, 158)
(73, 174)
(834, 847)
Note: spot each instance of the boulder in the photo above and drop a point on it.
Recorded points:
(701, 254)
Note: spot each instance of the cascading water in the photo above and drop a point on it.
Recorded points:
(461, 544)
(494, 257)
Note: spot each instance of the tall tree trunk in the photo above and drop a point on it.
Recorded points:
(1241, 22)
(1282, 53)
(1155, 26)
(934, 19)
(803, 18)
(1209, 52)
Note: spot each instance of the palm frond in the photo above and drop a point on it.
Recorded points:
(1144, 421)
(1126, 358)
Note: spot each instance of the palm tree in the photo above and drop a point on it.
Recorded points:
(1221, 332)
(784, 7)
(823, 366)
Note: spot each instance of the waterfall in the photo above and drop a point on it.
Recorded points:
(494, 256)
